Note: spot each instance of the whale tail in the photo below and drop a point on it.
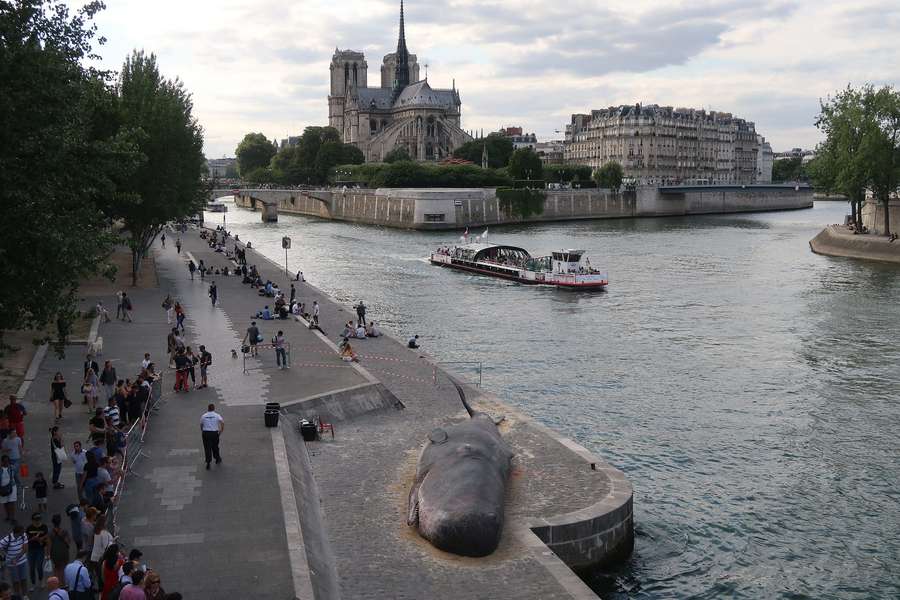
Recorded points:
(462, 396)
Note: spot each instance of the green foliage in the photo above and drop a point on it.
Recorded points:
(254, 151)
(260, 175)
(167, 185)
(521, 202)
(610, 176)
(567, 173)
(861, 150)
(525, 164)
(499, 149)
(397, 155)
(413, 174)
(60, 158)
(309, 162)
(789, 169)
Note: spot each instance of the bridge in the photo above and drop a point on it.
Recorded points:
(268, 201)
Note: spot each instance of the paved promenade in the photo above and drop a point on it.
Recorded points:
(278, 519)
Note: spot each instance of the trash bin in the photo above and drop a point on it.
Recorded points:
(271, 417)
(308, 431)
(273, 406)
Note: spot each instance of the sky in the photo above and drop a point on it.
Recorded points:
(262, 65)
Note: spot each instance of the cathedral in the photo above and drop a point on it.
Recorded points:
(404, 112)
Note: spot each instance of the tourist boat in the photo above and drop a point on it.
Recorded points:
(216, 207)
(568, 269)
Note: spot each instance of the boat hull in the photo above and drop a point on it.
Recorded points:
(511, 276)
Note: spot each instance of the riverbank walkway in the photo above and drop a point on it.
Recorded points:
(281, 519)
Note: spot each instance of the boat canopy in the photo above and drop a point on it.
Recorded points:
(500, 254)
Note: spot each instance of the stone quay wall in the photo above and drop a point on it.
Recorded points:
(873, 216)
(442, 208)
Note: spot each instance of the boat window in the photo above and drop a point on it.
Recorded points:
(434, 218)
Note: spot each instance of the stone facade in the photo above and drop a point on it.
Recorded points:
(661, 145)
(403, 113)
(765, 159)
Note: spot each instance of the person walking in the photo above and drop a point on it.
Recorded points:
(179, 317)
(205, 362)
(108, 379)
(57, 456)
(90, 388)
(37, 541)
(102, 539)
(315, 314)
(192, 363)
(163, 240)
(168, 305)
(192, 267)
(361, 314)
(213, 293)
(280, 353)
(293, 294)
(16, 412)
(79, 459)
(202, 268)
(252, 337)
(211, 427)
(178, 245)
(182, 367)
(60, 543)
(15, 547)
(127, 307)
(120, 309)
(13, 450)
(58, 394)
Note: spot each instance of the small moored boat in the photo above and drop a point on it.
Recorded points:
(568, 269)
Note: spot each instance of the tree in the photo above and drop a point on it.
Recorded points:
(398, 154)
(253, 152)
(788, 169)
(525, 164)
(60, 159)
(610, 176)
(499, 149)
(168, 185)
(860, 151)
(567, 173)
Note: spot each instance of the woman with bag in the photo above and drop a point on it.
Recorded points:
(102, 540)
(58, 395)
(90, 387)
(7, 488)
(57, 456)
(60, 547)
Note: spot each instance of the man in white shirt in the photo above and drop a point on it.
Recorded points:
(211, 427)
(146, 362)
(53, 590)
(111, 412)
(76, 574)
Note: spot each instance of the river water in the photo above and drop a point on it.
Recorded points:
(749, 389)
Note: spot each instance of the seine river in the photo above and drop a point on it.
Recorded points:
(749, 389)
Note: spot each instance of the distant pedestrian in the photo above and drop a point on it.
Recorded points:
(178, 245)
(252, 338)
(213, 293)
(205, 362)
(78, 577)
(202, 268)
(361, 314)
(16, 412)
(179, 316)
(108, 379)
(58, 394)
(127, 307)
(37, 533)
(57, 455)
(280, 353)
(192, 363)
(79, 459)
(293, 294)
(8, 487)
(120, 310)
(168, 305)
(413, 342)
(181, 371)
(211, 427)
(60, 548)
(315, 313)
(163, 239)
(192, 267)
(102, 312)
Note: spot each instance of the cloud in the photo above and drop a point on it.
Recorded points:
(263, 65)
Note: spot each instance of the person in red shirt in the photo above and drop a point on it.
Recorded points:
(15, 412)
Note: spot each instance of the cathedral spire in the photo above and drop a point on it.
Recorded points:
(401, 73)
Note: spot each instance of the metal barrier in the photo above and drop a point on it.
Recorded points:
(134, 450)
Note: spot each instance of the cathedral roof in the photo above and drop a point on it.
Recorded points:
(381, 97)
(421, 94)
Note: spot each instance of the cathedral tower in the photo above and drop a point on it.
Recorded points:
(348, 70)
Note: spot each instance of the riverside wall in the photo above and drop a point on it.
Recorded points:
(838, 240)
(442, 208)
(873, 216)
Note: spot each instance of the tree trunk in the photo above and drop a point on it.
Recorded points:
(135, 266)
(887, 215)
(853, 212)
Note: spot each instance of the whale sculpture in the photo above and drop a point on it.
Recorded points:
(456, 501)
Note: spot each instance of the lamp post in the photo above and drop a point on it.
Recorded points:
(286, 244)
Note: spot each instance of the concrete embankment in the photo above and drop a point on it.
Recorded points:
(837, 240)
(458, 208)
(566, 508)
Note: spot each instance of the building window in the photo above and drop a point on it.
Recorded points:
(434, 218)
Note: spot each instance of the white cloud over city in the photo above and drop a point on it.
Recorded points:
(263, 65)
